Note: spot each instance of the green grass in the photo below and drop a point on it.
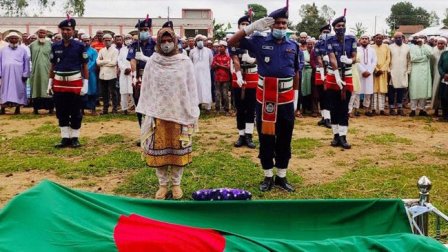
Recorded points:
(109, 117)
(304, 147)
(387, 139)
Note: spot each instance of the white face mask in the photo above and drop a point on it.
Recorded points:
(127, 42)
(200, 44)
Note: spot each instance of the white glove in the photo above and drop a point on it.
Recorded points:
(239, 78)
(259, 25)
(85, 87)
(325, 58)
(339, 81)
(50, 87)
(247, 58)
(346, 60)
(296, 99)
(322, 72)
(141, 56)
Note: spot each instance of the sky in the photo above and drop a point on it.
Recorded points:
(230, 10)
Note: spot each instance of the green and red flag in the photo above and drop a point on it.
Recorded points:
(50, 217)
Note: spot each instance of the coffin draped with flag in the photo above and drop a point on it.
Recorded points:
(50, 217)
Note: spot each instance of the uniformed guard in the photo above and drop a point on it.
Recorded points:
(320, 50)
(139, 53)
(339, 84)
(244, 85)
(278, 68)
(69, 80)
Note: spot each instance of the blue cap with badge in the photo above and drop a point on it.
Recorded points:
(68, 22)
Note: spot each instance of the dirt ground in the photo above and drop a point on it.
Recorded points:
(327, 164)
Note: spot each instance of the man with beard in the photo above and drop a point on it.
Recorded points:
(14, 71)
(40, 59)
(380, 77)
(400, 68)
(107, 62)
(342, 53)
(69, 81)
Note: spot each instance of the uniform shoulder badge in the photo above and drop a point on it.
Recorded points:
(267, 59)
(84, 55)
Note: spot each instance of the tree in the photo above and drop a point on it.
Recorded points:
(445, 21)
(16, 8)
(259, 11)
(326, 12)
(434, 20)
(404, 13)
(220, 30)
(359, 29)
(311, 21)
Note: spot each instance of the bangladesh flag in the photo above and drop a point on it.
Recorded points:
(50, 217)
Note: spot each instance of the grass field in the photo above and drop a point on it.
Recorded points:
(389, 155)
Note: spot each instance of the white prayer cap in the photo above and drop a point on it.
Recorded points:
(200, 37)
(216, 43)
(442, 39)
(365, 35)
(107, 36)
(128, 36)
(308, 40)
(12, 34)
(229, 36)
(303, 34)
(32, 35)
(223, 43)
(42, 28)
(85, 36)
(81, 31)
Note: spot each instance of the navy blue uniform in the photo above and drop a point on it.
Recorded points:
(320, 50)
(68, 59)
(280, 61)
(339, 107)
(147, 50)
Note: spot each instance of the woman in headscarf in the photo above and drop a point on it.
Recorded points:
(169, 101)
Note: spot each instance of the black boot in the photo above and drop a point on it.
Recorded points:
(327, 123)
(2, 111)
(240, 142)
(65, 142)
(321, 122)
(283, 184)
(344, 143)
(75, 142)
(412, 114)
(335, 142)
(17, 111)
(249, 141)
(267, 184)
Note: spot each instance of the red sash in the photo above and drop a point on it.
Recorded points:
(317, 79)
(331, 83)
(73, 86)
(250, 78)
(269, 105)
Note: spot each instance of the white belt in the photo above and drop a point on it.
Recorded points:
(347, 71)
(250, 70)
(283, 83)
(74, 77)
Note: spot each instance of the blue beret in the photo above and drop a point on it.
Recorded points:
(168, 24)
(325, 27)
(147, 22)
(69, 22)
(244, 19)
(338, 20)
(280, 13)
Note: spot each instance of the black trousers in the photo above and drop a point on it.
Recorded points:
(338, 107)
(322, 97)
(276, 147)
(68, 109)
(245, 108)
(108, 90)
(391, 92)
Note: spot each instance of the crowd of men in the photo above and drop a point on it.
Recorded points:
(260, 73)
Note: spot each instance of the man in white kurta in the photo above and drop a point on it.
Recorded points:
(400, 68)
(366, 67)
(127, 100)
(420, 84)
(437, 51)
(202, 58)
